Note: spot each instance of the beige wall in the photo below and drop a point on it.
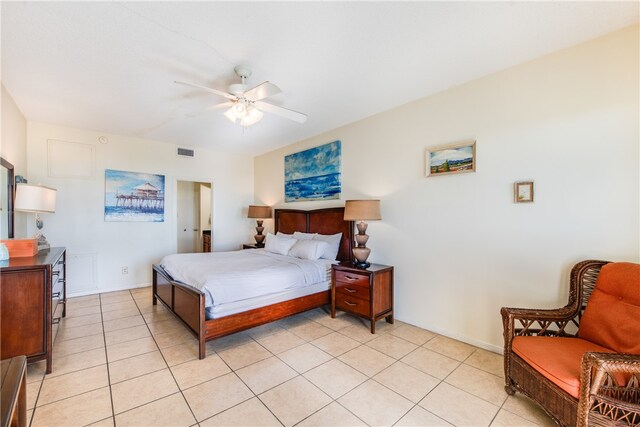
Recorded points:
(462, 249)
(13, 147)
(97, 250)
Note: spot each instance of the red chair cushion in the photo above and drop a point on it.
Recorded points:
(612, 316)
(558, 359)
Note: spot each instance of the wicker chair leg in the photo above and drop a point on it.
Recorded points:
(509, 389)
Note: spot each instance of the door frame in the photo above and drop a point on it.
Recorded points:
(174, 215)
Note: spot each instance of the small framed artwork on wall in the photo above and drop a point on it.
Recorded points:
(523, 192)
(451, 159)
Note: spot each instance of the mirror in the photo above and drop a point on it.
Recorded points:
(6, 196)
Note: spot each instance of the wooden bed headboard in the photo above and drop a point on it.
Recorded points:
(323, 221)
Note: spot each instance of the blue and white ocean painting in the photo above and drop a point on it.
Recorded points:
(313, 174)
(133, 196)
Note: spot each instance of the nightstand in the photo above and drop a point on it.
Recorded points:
(251, 246)
(366, 292)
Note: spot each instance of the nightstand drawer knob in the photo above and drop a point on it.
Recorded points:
(350, 278)
(350, 290)
(350, 303)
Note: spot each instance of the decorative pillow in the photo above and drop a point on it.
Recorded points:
(334, 244)
(309, 249)
(278, 245)
(281, 234)
(304, 236)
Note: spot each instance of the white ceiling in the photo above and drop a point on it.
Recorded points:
(110, 66)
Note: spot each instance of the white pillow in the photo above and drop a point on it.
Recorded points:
(334, 244)
(278, 245)
(281, 234)
(304, 236)
(309, 249)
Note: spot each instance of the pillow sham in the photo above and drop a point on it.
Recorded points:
(308, 249)
(334, 244)
(304, 236)
(278, 245)
(281, 234)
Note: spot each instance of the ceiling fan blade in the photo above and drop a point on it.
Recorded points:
(208, 89)
(281, 111)
(211, 108)
(221, 105)
(262, 91)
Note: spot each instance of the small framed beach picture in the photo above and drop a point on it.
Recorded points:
(450, 159)
(523, 192)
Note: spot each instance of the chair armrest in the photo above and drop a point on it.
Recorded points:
(603, 396)
(537, 321)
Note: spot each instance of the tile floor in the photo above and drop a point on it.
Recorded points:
(119, 360)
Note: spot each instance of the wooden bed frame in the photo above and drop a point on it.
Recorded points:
(188, 303)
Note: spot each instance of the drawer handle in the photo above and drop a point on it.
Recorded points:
(55, 295)
(350, 290)
(351, 278)
(350, 303)
(55, 320)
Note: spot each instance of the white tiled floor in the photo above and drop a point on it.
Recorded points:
(120, 360)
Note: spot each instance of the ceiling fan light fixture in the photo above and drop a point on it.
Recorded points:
(231, 115)
(240, 110)
(253, 116)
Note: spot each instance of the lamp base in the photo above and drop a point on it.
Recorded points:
(43, 243)
(359, 264)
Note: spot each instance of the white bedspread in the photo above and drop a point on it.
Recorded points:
(233, 276)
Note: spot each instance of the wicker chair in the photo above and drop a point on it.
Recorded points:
(608, 391)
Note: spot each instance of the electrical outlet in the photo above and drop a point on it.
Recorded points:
(125, 270)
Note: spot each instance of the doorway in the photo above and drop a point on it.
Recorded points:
(194, 217)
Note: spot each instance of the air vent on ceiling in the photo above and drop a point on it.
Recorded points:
(186, 152)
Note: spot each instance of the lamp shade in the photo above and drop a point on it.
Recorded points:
(35, 198)
(260, 212)
(357, 210)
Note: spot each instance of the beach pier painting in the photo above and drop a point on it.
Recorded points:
(313, 174)
(133, 196)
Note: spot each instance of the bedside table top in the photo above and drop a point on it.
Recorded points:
(373, 268)
(251, 246)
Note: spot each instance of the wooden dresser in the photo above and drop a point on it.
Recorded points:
(206, 241)
(13, 397)
(367, 292)
(32, 302)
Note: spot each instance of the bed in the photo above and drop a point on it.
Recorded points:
(188, 303)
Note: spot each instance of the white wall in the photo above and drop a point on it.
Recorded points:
(97, 249)
(13, 147)
(462, 249)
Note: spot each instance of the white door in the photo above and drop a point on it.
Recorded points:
(188, 210)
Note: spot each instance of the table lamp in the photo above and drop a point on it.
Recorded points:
(362, 210)
(38, 199)
(260, 213)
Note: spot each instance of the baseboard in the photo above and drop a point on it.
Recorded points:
(486, 346)
(106, 290)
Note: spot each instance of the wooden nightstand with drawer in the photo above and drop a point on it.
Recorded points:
(366, 292)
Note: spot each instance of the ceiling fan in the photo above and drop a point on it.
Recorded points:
(246, 105)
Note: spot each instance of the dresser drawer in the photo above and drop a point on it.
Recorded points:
(354, 279)
(57, 307)
(350, 290)
(353, 304)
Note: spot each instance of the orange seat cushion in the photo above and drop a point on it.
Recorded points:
(612, 316)
(558, 359)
